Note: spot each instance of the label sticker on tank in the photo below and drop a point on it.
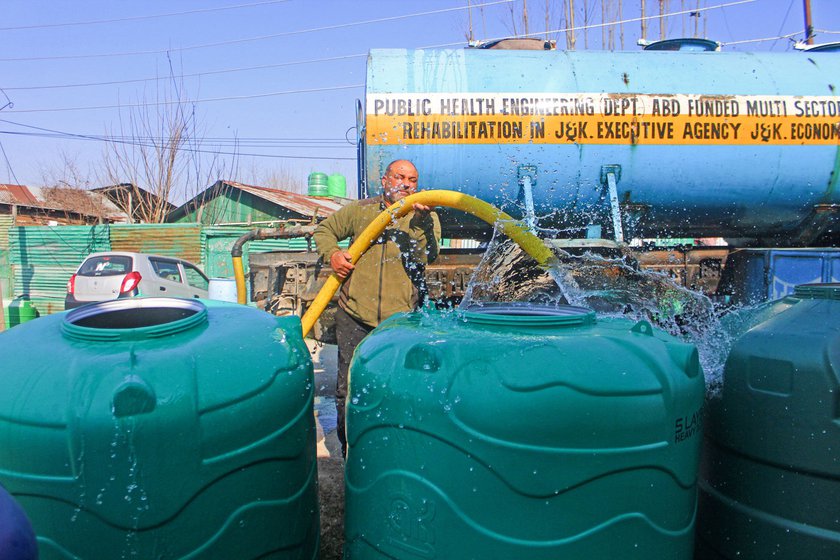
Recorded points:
(601, 118)
(688, 426)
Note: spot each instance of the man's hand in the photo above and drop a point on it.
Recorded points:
(341, 265)
(421, 210)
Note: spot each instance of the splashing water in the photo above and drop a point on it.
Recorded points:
(609, 281)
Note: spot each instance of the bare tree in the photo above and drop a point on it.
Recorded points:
(157, 156)
(282, 178)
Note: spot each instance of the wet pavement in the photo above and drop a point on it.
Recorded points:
(330, 462)
(325, 362)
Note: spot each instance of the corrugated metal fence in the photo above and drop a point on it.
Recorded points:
(40, 259)
(43, 258)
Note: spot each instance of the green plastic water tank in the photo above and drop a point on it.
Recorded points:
(337, 185)
(508, 432)
(318, 184)
(161, 428)
(770, 484)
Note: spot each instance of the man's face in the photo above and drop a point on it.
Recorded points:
(399, 181)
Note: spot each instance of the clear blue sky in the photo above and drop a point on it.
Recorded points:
(241, 56)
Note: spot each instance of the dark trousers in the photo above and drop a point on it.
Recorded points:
(349, 333)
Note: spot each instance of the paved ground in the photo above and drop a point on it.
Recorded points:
(330, 462)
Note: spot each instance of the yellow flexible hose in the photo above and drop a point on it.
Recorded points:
(514, 229)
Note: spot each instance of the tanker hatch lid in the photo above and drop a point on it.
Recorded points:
(515, 44)
(688, 44)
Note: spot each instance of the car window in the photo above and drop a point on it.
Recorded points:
(168, 270)
(108, 265)
(195, 277)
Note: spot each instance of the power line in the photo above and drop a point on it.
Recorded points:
(607, 24)
(258, 38)
(9, 164)
(151, 141)
(192, 102)
(74, 136)
(194, 74)
(784, 20)
(136, 18)
(745, 41)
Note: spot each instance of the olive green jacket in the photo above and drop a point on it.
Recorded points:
(388, 275)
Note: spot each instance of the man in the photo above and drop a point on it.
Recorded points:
(388, 277)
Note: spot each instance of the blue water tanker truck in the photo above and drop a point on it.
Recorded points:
(645, 144)
(742, 147)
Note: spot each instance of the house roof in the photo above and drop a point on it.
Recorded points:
(17, 194)
(78, 201)
(308, 206)
(129, 187)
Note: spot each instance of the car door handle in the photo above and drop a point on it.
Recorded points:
(162, 288)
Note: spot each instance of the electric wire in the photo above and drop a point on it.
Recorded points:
(183, 102)
(136, 18)
(9, 164)
(590, 26)
(607, 24)
(194, 74)
(151, 141)
(89, 137)
(763, 39)
(258, 38)
(782, 26)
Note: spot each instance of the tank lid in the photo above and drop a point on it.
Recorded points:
(824, 47)
(133, 319)
(690, 44)
(527, 314)
(818, 291)
(515, 44)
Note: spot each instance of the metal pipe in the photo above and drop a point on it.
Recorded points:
(284, 232)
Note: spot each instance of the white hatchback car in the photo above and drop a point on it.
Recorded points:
(117, 274)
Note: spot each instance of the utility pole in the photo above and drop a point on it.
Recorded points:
(469, 12)
(621, 24)
(570, 34)
(585, 25)
(603, 26)
(644, 21)
(809, 28)
(697, 20)
(525, 16)
(547, 19)
(662, 20)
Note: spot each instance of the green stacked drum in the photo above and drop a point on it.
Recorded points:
(161, 428)
(318, 184)
(522, 432)
(771, 469)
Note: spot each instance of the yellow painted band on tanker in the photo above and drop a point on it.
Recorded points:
(599, 129)
(514, 229)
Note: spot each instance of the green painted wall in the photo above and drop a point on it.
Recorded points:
(236, 207)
